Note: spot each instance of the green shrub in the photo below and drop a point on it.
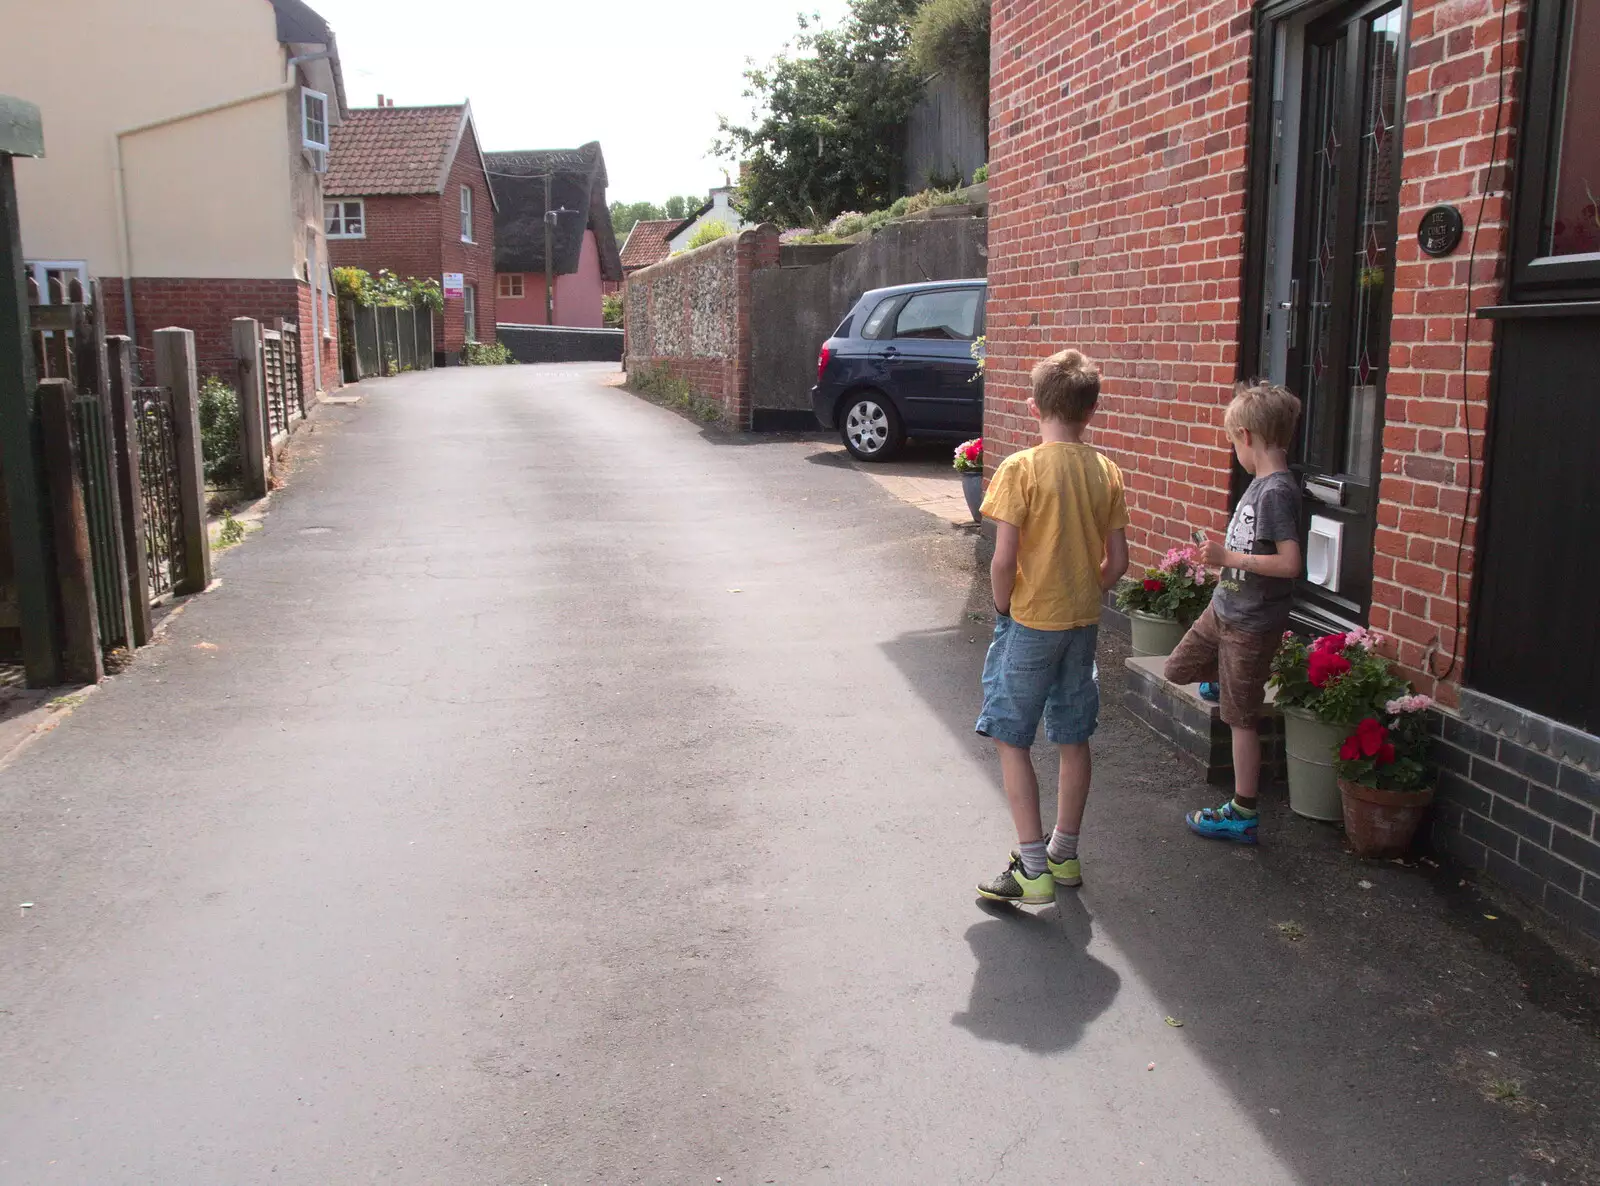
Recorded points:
(848, 224)
(900, 208)
(952, 37)
(486, 354)
(708, 232)
(612, 310)
(220, 425)
(980, 174)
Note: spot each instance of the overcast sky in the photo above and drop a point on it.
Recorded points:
(645, 78)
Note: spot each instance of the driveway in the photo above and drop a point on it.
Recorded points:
(554, 792)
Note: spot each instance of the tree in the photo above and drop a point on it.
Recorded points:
(952, 37)
(830, 116)
(625, 214)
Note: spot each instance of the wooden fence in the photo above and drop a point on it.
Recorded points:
(378, 340)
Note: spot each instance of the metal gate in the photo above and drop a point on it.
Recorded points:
(95, 468)
(160, 491)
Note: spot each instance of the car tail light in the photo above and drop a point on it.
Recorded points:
(822, 360)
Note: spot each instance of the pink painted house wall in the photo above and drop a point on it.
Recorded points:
(577, 294)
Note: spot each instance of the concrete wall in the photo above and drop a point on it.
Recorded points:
(691, 315)
(798, 308)
(210, 197)
(945, 136)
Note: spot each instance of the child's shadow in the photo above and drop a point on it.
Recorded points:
(1036, 985)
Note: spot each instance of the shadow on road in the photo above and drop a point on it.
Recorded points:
(1037, 986)
(1346, 1006)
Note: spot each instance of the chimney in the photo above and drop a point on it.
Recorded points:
(380, 99)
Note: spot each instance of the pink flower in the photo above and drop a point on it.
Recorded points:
(1403, 704)
(1359, 637)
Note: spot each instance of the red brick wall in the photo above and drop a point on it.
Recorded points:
(1451, 91)
(691, 316)
(1117, 198)
(420, 235)
(475, 261)
(1116, 219)
(207, 307)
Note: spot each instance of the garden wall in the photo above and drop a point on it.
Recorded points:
(691, 316)
(546, 343)
(798, 308)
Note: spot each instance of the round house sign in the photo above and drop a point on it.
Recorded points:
(1439, 233)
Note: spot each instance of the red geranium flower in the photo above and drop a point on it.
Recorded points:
(1372, 737)
(1324, 667)
(1152, 585)
(1350, 750)
(1330, 644)
(1385, 754)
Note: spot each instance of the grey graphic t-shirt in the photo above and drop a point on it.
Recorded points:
(1268, 512)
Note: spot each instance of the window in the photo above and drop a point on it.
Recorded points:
(313, 119)
(1557, 233)
(874, 323)
(466, 214)
(469, 311)
(511, 284)
(947, 315)
(345, 218)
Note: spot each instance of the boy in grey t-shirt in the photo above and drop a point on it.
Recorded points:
(1234, 640)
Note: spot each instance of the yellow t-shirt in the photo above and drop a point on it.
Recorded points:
(1064, 499)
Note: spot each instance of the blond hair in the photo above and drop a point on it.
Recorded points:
(1264, 410)
(1066, 386)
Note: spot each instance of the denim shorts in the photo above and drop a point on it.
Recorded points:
(1040, 674)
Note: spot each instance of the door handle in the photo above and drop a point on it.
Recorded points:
(890, 352)
(1292, 307)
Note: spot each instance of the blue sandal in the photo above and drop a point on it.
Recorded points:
(1222, 823)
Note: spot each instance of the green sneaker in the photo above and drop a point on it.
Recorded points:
(1068, 872)
(1015, 886)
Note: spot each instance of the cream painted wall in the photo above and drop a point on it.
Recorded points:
(209, 197)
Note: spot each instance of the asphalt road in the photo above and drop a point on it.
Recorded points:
(556, 792)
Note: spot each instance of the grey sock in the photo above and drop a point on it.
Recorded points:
(1033, 858)
(1063, 846)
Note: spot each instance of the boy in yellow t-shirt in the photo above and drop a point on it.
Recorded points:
(1061, 542)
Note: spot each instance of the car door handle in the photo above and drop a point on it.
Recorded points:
(890, 352)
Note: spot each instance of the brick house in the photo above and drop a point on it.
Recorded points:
(584, 243)
(408, 190)
(191, 192)
(1200, 193)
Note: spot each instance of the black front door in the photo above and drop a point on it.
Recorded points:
(1333, 187)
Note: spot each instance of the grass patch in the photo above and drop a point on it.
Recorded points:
(660, 386)
(231, 532)
(1505, 1090)
(1292, 931)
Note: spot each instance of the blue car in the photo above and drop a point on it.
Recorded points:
(900, 365)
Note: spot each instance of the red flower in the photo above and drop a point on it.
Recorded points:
(1385, 754)
(1372, 737)
(1152, 585)
(1350, 751)
(1330, 644)
(1324, 667)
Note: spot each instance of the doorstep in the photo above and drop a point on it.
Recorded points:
(1195, 726)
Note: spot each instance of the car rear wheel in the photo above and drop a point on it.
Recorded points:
(871, 427)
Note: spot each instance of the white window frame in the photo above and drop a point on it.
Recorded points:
(510, 281)
(41, 269)
(469, 311)
(342, 218)
(466, 214)
(307, 98)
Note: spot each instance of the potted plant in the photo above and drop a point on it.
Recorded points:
(1166, 600)
(969, 464)
(1324, 688)
(1385, 780)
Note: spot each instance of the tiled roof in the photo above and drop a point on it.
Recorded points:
(393, 150)
(647, 242)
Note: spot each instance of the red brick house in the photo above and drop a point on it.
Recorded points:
(1387, 205)
(407, 190)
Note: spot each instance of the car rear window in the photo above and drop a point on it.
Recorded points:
(949, 314)
(872, 327)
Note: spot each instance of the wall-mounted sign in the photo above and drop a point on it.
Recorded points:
(1439, 232)
(455, 287)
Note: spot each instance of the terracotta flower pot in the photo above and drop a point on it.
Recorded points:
(1382, 823)
(1155, 636)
